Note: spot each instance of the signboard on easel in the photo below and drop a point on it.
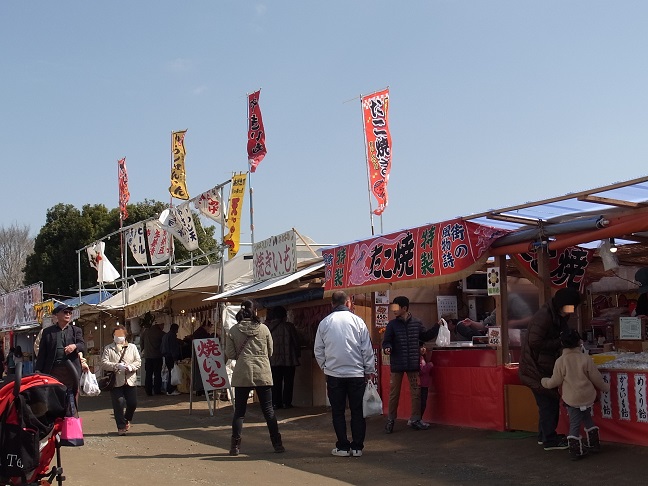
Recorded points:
(210, 359)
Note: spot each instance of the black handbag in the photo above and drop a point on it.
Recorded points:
(107, 381)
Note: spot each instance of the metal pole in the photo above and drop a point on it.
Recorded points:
(367, 166)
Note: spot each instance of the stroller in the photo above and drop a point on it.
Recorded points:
(31, 413)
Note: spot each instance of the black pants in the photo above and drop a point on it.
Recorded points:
(424, 397)
(548, 414)
(283, 378)
(339, 390)
(169, 365)
(241, 394)
(153, 378)
(124, 402)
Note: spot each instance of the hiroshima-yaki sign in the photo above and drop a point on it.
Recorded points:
(429, 251)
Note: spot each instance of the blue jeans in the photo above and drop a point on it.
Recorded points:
(241, 394)
(339, 390)
(123, 397)
(578, 416)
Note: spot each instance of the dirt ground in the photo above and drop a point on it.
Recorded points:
(168, 446)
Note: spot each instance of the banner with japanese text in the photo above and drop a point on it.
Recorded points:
(275, 256)
(233, 238)
(209, 204)
(256, 146)
(178, 188)
(44, 309)
(160, 242)
(210, 357)
(17, 307)
(566, 266)
(156, 303)
(179, 222)
(375, 115)
(124, 194)
(136, 243)
(429, 251)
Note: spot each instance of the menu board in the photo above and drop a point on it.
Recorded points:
(630, 328)
(447, 306)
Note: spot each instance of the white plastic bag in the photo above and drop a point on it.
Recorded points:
(443, 338)
(175, 375)
(89, 385)
(371, 401)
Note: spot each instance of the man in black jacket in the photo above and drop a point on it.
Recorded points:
(60, 345)
(402, 342)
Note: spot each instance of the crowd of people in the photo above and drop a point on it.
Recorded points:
(267, 354)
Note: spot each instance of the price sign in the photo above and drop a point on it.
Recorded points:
(494, 336)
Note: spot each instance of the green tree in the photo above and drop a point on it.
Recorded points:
(67, 230)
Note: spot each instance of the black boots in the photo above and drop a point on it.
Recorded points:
(276, 443)
(593, 440)
(235, 446)
(576, 449)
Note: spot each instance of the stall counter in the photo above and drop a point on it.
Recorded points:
(467, 389)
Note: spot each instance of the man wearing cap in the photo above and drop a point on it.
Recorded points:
(402, 342)
(60, 345)
(541, 347)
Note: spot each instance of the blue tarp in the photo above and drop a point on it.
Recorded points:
(92, 299)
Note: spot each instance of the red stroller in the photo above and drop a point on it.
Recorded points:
(31, 413)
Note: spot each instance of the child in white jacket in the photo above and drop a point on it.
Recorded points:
(580, 379)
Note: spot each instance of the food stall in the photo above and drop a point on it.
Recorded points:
(552, 243)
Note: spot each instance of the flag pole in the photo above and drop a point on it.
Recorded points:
(364, 131)
(251, 208)
(121, 232)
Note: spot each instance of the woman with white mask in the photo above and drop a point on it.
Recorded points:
(124, 360)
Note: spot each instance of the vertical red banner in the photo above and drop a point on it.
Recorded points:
(124, 195)
(256, 146)
(375, 114)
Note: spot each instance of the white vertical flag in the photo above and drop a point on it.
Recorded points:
(209, 203)
(179, 222)
(137, 244)
(159, 242)
(105, 270)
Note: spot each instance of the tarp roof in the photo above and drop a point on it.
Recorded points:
(262, 288)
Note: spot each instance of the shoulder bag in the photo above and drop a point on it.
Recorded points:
(107, 381)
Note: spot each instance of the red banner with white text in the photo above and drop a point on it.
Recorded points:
(256, 146)
(375, 115)
(124, 195)
(425, 252)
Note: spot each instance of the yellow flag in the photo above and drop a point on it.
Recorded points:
(233, 238)
(178, 188)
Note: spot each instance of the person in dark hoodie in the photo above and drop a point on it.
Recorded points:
(541, 347)
(285, 356)
(402, 342)
(250, 343)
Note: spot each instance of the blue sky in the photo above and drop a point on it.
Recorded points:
(492, 104)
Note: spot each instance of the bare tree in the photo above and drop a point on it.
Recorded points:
(15, 246)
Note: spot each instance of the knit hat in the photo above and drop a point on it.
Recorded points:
(570, 338)
(566, 296)
(642, 277)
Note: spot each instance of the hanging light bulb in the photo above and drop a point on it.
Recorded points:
(613, 248)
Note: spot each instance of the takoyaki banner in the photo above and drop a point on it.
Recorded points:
(432, 251)
(17, 307)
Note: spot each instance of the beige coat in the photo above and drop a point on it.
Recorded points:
(579, 377)
(110, 358)
(253, 365)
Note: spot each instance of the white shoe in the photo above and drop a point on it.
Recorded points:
(356, 452)
(173, 393)
(340, 452)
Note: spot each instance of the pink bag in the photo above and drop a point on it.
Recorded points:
(72, 432)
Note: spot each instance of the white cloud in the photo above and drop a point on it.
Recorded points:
(180, 65)
(198, 90)
(260, 9)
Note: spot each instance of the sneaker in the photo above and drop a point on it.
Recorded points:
(122, 431)
(389, 426)
(557, 445)
(341, 452)
(419, 425)
(128, 426)
(356, 452)
(173, 393)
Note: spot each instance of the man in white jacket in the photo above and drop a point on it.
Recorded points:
(344, 352)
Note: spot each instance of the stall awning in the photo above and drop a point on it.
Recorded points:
(267, 286)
